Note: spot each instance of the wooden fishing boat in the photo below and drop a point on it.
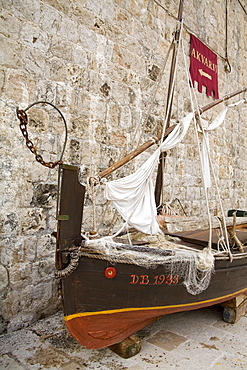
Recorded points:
(112, 288)
(106, 301)
(108, 296)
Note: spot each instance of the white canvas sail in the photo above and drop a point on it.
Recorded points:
(133, 195)
(205, 142)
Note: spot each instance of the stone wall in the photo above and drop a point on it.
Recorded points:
(99, 62)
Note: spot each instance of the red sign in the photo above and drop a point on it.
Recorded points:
(203, 67)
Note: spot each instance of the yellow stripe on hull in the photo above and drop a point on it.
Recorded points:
(108, 312)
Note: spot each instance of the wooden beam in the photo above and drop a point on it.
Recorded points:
(133, 154)
(225, 98)
(129, 347)
(235, 309)
(201, 110)
(149, 143)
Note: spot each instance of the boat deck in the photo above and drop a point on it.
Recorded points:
(199, 238)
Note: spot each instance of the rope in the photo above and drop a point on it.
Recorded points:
(90, 187)
(172, 85)
(169, 203)
(74, 261)
(153, 96)
(205, 189)
(138, 127)
(221, 239)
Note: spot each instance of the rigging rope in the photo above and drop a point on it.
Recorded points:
(172, 85)
(195, 124)
(141, 124)
(136, 131)
(212, 169)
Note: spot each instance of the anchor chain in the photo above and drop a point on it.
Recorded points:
(21, 114)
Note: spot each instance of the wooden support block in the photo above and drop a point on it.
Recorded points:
(235, 302)
(233, 314)
(129, 347)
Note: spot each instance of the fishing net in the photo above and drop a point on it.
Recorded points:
(194, 267)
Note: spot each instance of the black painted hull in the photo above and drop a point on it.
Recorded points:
(100, 311)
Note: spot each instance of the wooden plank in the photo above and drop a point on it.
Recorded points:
(201, 236)
(70, 211)
(233, 314)
(129, 347)
(235, 302)
(71, 205)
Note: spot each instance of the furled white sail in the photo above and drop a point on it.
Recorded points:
(133, 195)
(205, 142)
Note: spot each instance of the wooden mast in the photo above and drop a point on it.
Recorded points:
(158, 185)
(72, 192)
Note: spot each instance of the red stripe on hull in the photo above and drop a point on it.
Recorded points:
(99, 330)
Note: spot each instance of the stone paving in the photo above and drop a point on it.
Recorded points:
(192, 340)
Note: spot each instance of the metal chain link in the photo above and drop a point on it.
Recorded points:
(22, 116)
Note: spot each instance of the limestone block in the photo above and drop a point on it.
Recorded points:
(74, 74)
(29, 9)
(10, 55)
(34, 62)
(113, 114)
(33, 219)
(95, 7)
(81, 126)
(87, 38)
(91, 150)
(10, 223)
(43, 270)
(38, 119)
(4, 278)
(44, 195)
(10, 25)
(29, 248)
(20, 273)
(61, 6)
(101, 134)
(2, 78)
(51, 220)
(56, 69)
(80, 56)
(129, 60)
(50, 19)
(123, 20)
(60, 48)
(81, 14)
(45, 246)
(118, 139)
(104, 52)
(69, 29)
(135, 9)
(9, 363)
(61, 101)
(33, 37)
(21, 321)
(97, 110)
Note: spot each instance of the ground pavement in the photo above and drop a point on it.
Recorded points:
(192, 340)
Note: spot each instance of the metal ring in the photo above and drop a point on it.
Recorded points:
(65, 124)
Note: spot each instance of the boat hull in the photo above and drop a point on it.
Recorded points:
(102, 309)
